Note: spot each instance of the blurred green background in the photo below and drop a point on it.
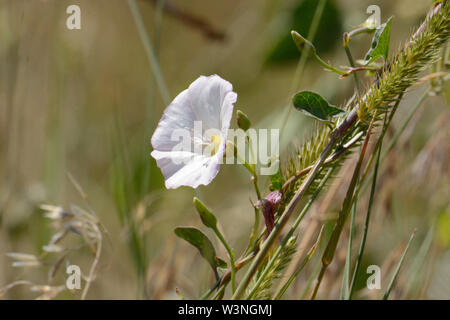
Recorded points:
(86, 102)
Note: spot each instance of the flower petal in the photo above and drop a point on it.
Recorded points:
(207, 96)
(186, 169)
(178, 115)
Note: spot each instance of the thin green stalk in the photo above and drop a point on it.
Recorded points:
(351, 61)
(348, 260)
(254, 233)
(252, 169)
(219, 293)
(230, 255)
(149, 51)
(328, 66)
(420, 260)
(210, 290)
(359, 31)
(303, 58)
(225, 279)
(255, 185)
(397, 270)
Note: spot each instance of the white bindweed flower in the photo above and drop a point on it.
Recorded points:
(189, 142)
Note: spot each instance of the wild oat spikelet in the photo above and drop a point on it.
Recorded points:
(264, 290)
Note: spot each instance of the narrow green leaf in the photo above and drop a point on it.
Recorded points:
(345, 289)
(380, 43)
(315, 106)
(397, 270)
(416, 277)
(207, 217)
(199, 240)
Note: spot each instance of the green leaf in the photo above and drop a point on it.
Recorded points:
(208, 218)
(315, 106)
(199, 240)
(380, 43)
(399, 265)
(345, 288)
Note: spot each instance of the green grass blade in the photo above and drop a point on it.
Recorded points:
(397, 270)
(345, 290)
(143, 34)
(416, 275)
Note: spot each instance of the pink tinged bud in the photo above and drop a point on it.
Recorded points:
(269, 206)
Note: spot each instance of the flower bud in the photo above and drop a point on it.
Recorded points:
(370, 23)
(208, 218)
(243, 121)
(269, 206)
(302, 43)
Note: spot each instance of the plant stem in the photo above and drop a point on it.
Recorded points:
(328, 66)
(210, 290)
(149, 51)
(251, 168)
(230, 255)
(351, 61)
(303, 58)
(222, 282)
(348, 259)
(397, 270)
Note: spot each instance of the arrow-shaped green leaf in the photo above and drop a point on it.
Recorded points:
(315, 106)
(380, 43)
(199, 240)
